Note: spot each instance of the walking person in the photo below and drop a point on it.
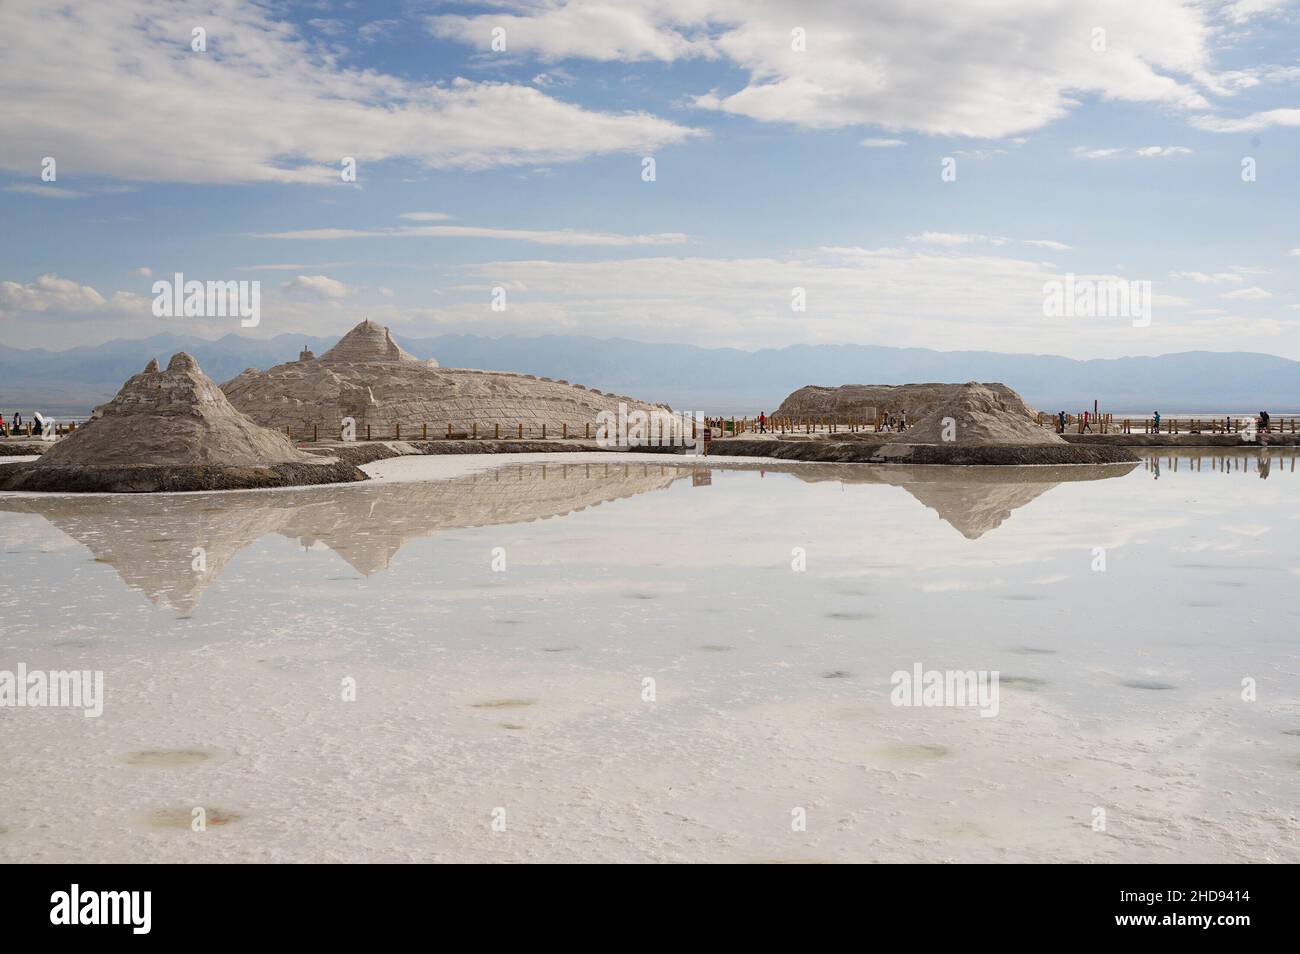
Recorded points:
(1087, 427)
(1060, 422)
(762, 422)
(1155, 422)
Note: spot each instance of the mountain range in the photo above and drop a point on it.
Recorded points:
(712, 380)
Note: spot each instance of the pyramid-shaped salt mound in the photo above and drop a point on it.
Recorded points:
(369, 378)
(172, 430)
(369, 343)
(977, 415)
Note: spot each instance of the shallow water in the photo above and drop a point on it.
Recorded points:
(621, 661)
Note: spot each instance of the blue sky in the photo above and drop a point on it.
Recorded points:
(776, 169)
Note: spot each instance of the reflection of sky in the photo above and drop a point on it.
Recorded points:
(694, 583)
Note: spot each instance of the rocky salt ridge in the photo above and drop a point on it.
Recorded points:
(172, 430)
(369, 378)
(966, 424)
(854, 403)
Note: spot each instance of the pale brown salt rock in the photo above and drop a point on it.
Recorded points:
(368, 377)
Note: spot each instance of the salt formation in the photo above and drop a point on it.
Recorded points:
(371, 379)
(172, 430)
(977, 415)
(854, 403)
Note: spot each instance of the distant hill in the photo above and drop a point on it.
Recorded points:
(714, 380)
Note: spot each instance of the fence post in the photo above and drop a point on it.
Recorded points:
(424, 431)
(521, 432)
(474, 427)
(397, 431)
(315, 433)
(496, 430)
(543, 432)
(367, 432)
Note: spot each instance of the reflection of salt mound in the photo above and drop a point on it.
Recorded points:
(973, 500)
(149, 541)
(177, 417)
(369, 378)
(977, 415)
(973, 508)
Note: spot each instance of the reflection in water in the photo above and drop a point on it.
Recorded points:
(972, 500)
(472, 688)
(172, 547)
(1261, 462)
(154, 541)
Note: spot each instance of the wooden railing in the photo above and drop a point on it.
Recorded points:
(1227, 424)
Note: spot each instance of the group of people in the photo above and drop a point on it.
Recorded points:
(892, 422)
(1086, 422)
(11, 426)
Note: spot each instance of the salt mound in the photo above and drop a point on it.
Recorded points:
(369, 342)
(977, 415)
(177, 417)
(369, 378)
(172, 430)
(851, 403)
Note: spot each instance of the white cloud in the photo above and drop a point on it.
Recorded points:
(48, 293)
(1239, 11)
(971, 69)
(1252, 123)
(1160, 152)
(83, 315)
(44, 191)
(1084, 152)
(1204, 278)
(1049, 244)
(536, 236)
(320, 286)
(955, 238)
(1254, 293)
(144, 272)
(425, 216)
(872, 143)
(115, 89)
(1143, 152)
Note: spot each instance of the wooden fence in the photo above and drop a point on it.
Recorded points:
(1109, 424)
